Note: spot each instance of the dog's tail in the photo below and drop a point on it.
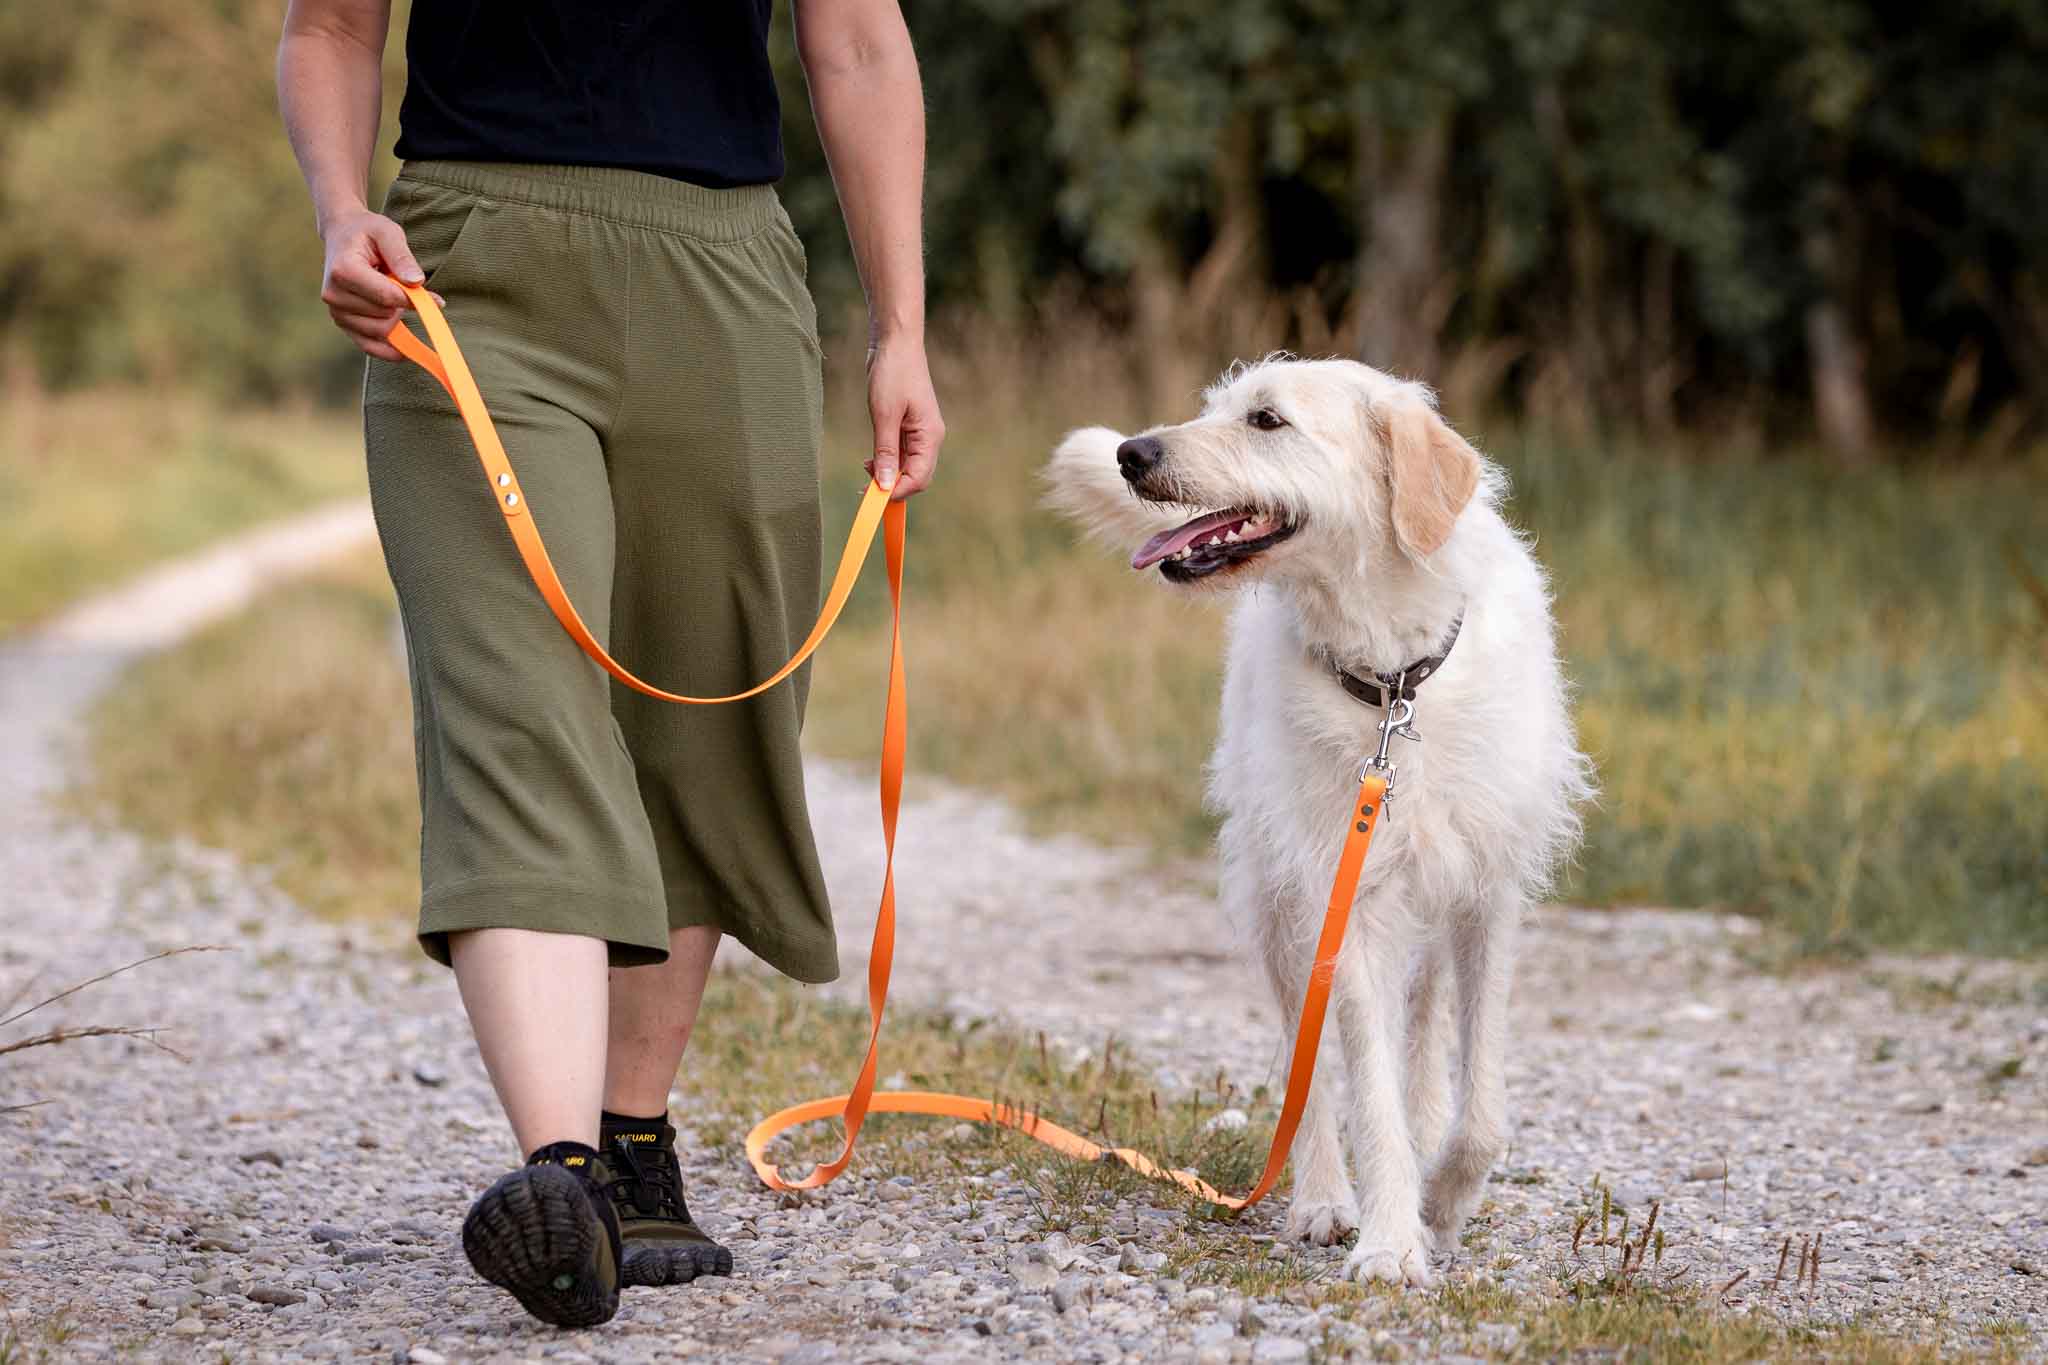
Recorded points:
(1082, 483)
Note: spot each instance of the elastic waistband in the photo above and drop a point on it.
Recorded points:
(622, 196)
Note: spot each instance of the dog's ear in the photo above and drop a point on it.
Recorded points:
(1433, 472)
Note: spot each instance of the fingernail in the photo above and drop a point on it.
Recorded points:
(887, 478)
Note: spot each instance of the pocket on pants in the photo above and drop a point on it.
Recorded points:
(438, 224)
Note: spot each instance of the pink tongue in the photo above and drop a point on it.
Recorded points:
(1174, 541)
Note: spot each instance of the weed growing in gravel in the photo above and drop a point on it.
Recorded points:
(1620, 1283)
(43, 1342)
(764, 1043)
(62, 1033)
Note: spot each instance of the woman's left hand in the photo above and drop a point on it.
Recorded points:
(908, 427)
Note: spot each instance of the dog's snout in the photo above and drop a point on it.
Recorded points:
(1139, 456)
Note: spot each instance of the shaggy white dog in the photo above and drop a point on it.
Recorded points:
(1366, 538)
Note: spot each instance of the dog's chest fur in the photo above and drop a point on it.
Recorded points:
(1483, 804)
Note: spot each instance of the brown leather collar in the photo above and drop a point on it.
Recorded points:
(1377, 689)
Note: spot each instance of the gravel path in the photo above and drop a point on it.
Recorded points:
(292, 1191)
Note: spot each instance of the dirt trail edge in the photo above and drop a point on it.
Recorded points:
(292, 1189)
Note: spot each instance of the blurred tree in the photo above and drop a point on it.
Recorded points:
(152, 221)
(1822, 213)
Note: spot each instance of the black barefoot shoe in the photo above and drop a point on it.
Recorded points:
(655, 1264)
(546, 1233)
(644, 1182)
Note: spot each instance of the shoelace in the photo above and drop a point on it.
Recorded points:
(653, 1192)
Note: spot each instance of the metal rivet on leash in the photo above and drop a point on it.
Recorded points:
(504, 479)
(511, 499)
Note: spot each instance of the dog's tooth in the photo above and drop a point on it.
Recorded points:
(1230, 537)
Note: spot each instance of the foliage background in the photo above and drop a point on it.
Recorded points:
(1769, 217)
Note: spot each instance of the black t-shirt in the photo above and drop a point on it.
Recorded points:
(680, 88)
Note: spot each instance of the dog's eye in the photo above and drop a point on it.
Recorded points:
(1265, 419)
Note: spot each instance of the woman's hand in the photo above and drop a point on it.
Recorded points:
(361, 247)
(908, 427)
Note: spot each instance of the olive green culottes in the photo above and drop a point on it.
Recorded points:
(649, 351)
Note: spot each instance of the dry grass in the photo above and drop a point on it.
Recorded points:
(1813, 697)
(282, 735)
(59, 1034)
(1790, 716)
(101, 483)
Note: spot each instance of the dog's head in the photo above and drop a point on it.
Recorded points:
(1322, 467)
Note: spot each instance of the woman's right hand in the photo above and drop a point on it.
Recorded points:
(361, 248)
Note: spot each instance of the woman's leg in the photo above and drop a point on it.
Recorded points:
(652, 1012)
(536, 1003)
(713, 461)
(538, 868)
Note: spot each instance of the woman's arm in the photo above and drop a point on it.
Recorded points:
(330, 72)
(870, 109)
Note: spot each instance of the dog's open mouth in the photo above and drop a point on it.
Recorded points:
(1211, 543)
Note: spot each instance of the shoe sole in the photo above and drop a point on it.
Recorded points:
(656, 1265)
(535, 1235)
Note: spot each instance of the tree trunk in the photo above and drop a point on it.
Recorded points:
(2018, 308)
(1400, 271)
(1657, 361)
(1588, 390)
(1236, 253)
(1836, 356)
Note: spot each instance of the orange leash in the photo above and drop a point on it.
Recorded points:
(443, 360)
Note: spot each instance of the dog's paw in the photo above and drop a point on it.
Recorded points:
(1402, 1260)
(1321, 1222)
(1448, 1200)
(1452, 1194)
(1442, 1220)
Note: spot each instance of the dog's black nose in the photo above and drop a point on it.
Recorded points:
(1139, 456)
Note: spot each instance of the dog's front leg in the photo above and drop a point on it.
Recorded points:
(1428, 1073)
(1323, 1210)
(1371, 1005)
(1483, 953)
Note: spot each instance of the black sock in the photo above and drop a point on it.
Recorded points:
(629, 1121)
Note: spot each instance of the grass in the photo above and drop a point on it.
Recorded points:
(283, 735)
(306, 769)
(1813, 696)
(102, 483)
(1791, 715)
(1683, 1326)
(1605, 1290)
(765, 1043)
